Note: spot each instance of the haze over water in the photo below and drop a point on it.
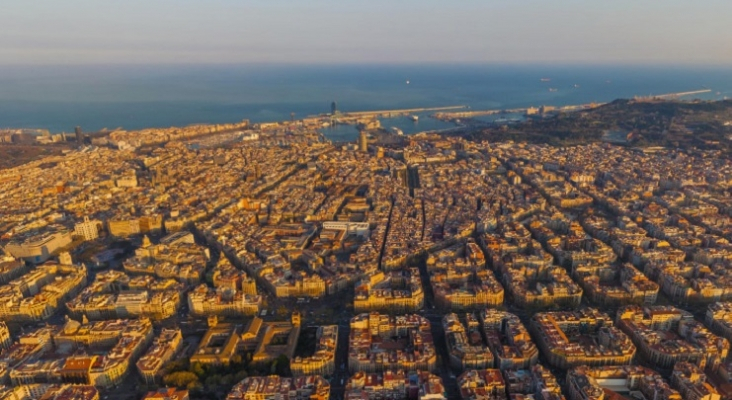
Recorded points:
(136, 97)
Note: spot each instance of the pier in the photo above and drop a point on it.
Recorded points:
(673, 95)
(446, 116)
(477, 113)
(405, 111)
(387, 113)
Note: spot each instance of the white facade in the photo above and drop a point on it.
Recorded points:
(357, 228)
(89, 229)
(38, 248)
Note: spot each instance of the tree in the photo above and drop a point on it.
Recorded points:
(195, 387)
(213, 380)
(197, 369)
(180, 379)
(177, 365)
(228, 381)
(240, 376)
(281, 365)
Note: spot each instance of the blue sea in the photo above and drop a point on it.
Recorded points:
(134, 97)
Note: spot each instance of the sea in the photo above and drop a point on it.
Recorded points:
(132, 97)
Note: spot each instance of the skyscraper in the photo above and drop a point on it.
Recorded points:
(333, 108)
(79, 135)
(363, 142)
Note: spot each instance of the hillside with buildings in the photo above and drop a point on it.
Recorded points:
(636, 122)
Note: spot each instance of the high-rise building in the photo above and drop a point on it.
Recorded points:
(363, 142)
(79, 135)
(333, 108)
(5, 340)
(88, 229)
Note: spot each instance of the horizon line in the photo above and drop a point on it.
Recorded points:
(587, 63)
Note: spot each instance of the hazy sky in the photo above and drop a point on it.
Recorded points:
(358, 31)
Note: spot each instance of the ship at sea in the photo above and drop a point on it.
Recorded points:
(552, 89)
(396, 131)
(414, 118)
(545, 80)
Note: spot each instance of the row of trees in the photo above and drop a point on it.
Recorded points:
(205, 381)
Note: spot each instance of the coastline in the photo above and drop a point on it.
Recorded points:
(137, 98)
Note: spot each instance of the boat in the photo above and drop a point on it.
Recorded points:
(545, 80)
(414, 118)
(576, 85)
(551, 89)
(396, 131)
(407, 82)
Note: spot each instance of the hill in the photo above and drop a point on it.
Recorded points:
(643, 123)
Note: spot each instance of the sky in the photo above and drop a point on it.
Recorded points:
(53, 32)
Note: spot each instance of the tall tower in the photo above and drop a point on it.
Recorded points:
(363, 142)
(5, 340)
(333, 108)
(79, 135)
